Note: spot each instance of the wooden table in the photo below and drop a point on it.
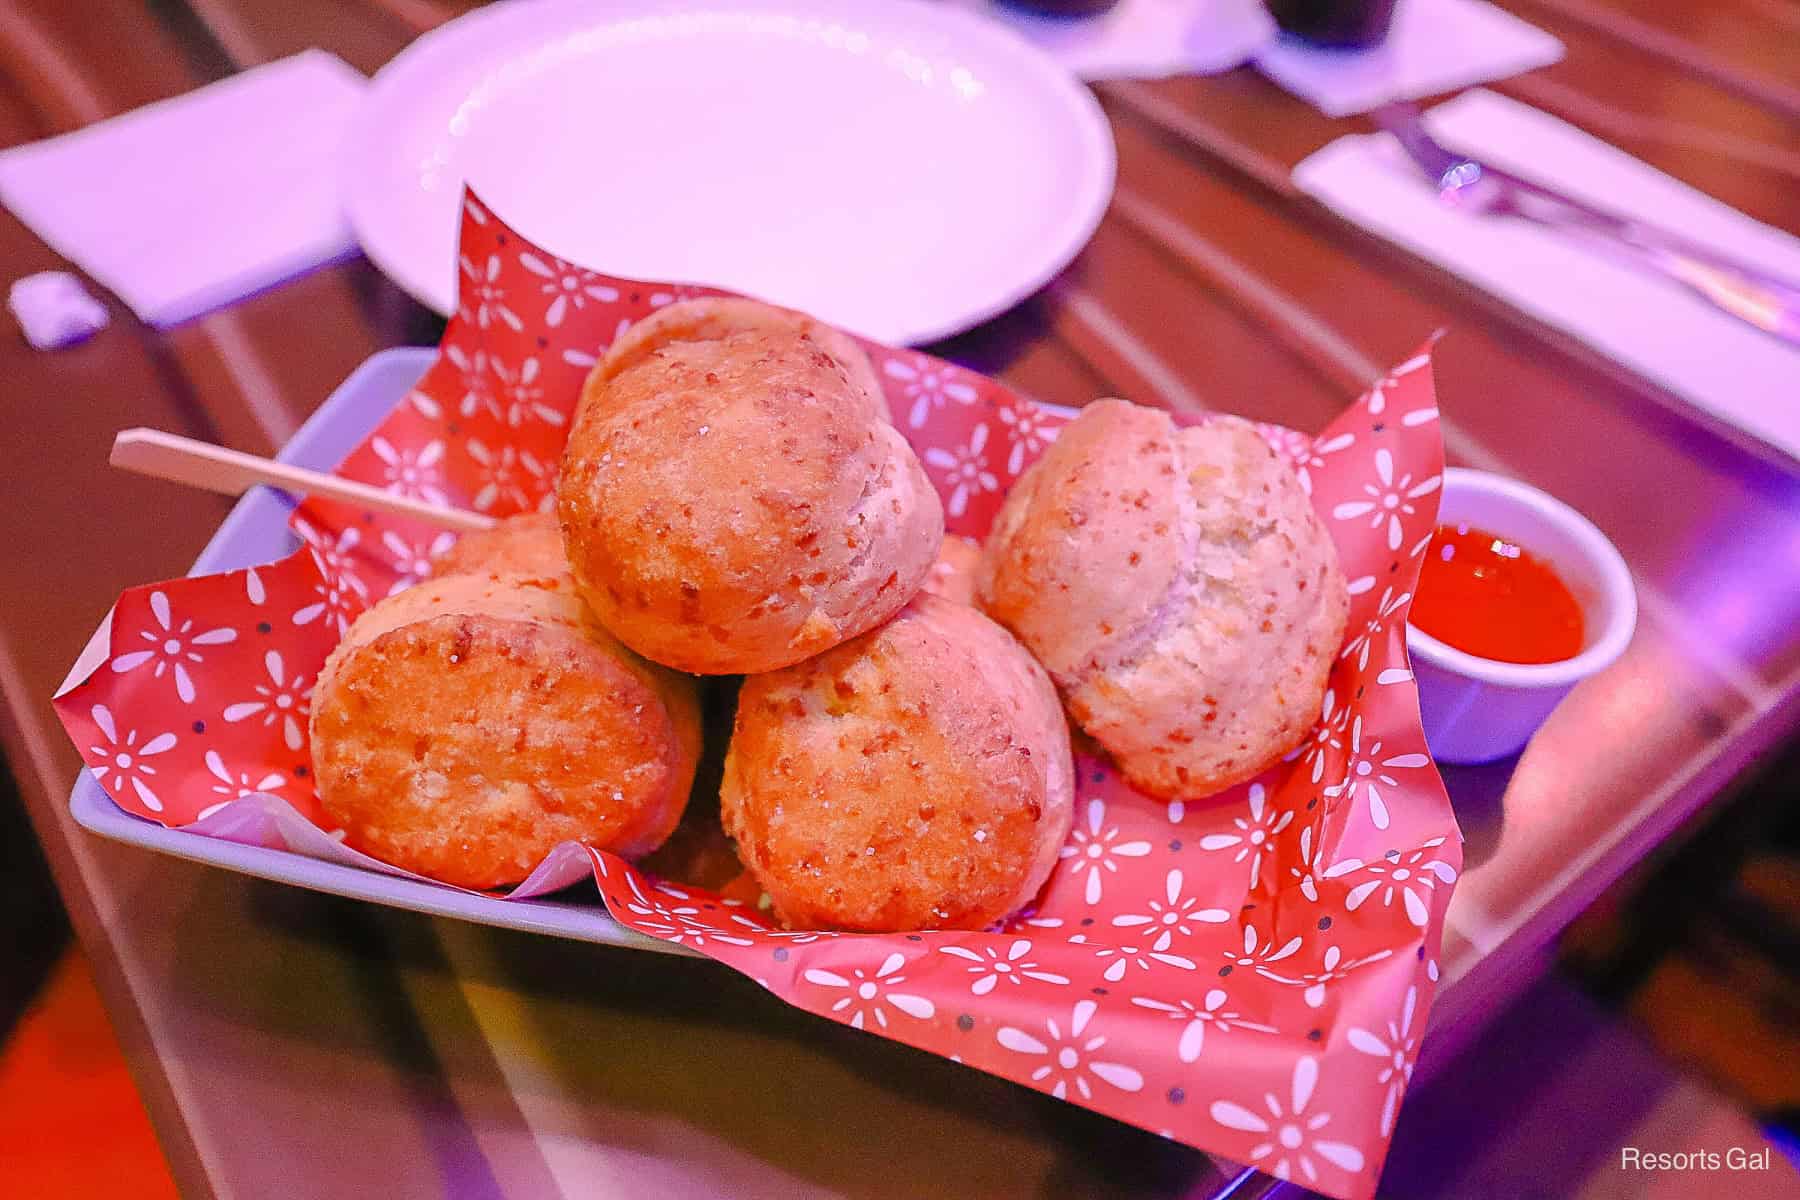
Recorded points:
(292, 1044)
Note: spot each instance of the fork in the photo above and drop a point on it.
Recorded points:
(1769, 303)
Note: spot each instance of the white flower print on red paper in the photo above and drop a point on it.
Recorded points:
(1290, 444)
(1327, 736)
(339, 600)
(283, 699)
(965, 471)
(477, 384)
(521, 395)
(1389, 499)
(124, 761)
(1070, 1058)
(1389, 605)
(1333, 967)
(681, 924)
(335, 556)
(1176, 918)
(415, 474)
(1030, 428)
(413, 560)
(516, 476)
(989, 966)
(1313, 459)
(1255, 837)
(869, 994)
(235, 785)
(1258, 955)
(568, 287)
(1397, 1050)
(798, 937)
(172, 647)
(484, 296)
(1210, 1013)
(425, 404)
(238, 785)
(1120, 959)
(1295, 1136)
(1029, 917)
(686, 930)
(1368, 772)
(1412, 876)
(926, 383)
(1094, 850)
(1305, 871)
(1376, 401)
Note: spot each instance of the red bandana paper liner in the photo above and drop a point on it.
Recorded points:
(1249, 973)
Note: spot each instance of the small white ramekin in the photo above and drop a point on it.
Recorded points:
(1476, 709)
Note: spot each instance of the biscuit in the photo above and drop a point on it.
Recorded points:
(916, 777)
(527, 544)
(953, 574)
(714, 317)
(1178, 586)
(730, 506)
(464, 727)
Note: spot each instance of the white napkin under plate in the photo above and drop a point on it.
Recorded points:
(1145, 39)
(193, 202)
(1644, 320)
(1434, 46)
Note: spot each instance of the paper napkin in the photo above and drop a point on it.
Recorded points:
(1648, 322)
(1145, 39)
(193, 202)
(1434, 46)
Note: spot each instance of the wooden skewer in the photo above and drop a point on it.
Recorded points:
(232, 473)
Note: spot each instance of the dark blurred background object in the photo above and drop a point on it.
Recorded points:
(1062, 8)
(1340, 24)
(32, 913)
(1700, 946)
(1668, 1019)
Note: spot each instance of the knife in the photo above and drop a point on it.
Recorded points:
(1770, 303)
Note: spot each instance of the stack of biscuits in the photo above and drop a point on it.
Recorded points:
(735, 501)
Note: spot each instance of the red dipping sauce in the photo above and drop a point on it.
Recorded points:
(1486, 596)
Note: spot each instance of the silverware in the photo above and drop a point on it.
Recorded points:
(1770, 303)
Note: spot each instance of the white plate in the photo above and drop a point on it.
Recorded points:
(902, 169)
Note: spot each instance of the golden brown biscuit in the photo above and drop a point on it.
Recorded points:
(1178, 586)
(714, 317)
(953, 574)
(467, 725)
(918, 777)
(528, 544)
(730, 506)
